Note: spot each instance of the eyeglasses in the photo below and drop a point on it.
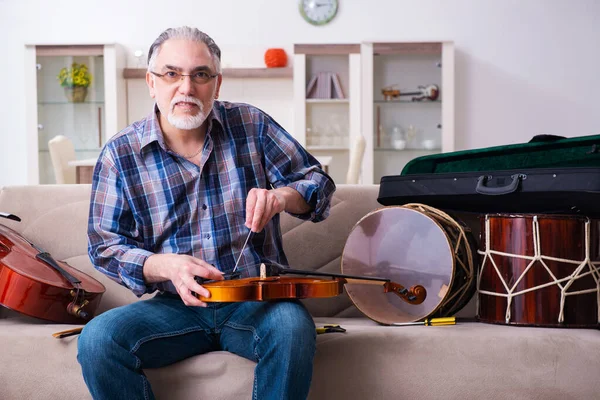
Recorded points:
(199, 78)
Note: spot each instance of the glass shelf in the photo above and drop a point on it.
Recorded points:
(311, 148)
(83, 123)
(407, 101)
(48, 103)
(327, 101)
(97, 149)
(435, 149)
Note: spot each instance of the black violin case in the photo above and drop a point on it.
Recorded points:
(549, 174)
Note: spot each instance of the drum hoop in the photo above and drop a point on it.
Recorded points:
(594, 269)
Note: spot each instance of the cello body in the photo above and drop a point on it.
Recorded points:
(34, 284)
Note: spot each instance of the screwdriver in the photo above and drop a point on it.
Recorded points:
(430, 322)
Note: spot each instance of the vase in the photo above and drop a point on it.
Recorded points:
(76, 94)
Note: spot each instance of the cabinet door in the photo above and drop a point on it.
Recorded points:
(69, 104)
(408, 103)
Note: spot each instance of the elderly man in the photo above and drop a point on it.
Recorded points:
(174, 197)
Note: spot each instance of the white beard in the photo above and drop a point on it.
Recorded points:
(186, 122)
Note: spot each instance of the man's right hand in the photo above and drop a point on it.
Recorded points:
(181, 270)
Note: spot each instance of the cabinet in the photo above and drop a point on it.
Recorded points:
(327, 106)
(410, 118)
(405, 122)
(53, 109)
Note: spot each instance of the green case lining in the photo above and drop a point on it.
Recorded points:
(581, 151)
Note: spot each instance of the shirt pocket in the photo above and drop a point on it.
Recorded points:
(252, 176)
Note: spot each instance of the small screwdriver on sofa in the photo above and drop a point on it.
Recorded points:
(430, 322)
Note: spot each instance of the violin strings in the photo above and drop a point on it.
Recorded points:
(242, 252)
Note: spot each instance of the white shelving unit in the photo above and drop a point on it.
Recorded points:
(327, 127)
(398, 129)
(88, 124)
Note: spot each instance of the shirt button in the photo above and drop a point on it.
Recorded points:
(204, 206)
(207, 236)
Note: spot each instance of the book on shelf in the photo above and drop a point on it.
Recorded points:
(325, 85)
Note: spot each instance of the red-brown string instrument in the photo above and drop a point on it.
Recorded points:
(272, 286)
(35, 284)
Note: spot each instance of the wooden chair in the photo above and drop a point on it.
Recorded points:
(356, 158)
(61, 152)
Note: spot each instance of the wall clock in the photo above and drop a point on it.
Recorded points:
(318, 12)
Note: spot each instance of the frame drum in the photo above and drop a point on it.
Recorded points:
(411, 245)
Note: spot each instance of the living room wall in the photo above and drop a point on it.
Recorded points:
(523, 67)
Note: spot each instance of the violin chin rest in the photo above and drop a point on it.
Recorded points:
(228, 276)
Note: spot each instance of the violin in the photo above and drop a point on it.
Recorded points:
(429, 92)
(272, 286)
(33, 283)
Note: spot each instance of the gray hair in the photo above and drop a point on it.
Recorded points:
(185, 32)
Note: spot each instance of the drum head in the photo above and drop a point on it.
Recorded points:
(407, 247)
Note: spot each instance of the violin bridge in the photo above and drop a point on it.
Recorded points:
(263, 271)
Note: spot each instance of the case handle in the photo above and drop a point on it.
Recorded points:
(494, 191)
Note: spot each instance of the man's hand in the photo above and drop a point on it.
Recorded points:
(181, 270)
(262, 205)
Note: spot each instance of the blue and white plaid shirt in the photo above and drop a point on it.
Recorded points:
(146, 199)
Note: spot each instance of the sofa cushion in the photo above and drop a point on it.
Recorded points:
(368, 361)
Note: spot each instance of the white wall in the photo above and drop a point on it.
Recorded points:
(523, 66)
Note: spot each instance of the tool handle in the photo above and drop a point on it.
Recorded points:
(440, 321)
(67, 333)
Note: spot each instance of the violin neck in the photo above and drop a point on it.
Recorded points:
(362, 281)
(349, 278)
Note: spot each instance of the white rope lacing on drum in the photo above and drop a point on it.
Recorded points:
(564, 283)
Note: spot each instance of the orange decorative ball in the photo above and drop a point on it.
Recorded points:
(275, 58)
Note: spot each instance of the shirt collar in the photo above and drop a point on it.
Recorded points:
(153, 133)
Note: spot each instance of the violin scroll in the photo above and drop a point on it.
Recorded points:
(415, 295)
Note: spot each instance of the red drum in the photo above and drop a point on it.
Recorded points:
(539, 270)
(413, 245)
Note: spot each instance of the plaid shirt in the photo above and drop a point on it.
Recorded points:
(146, 199)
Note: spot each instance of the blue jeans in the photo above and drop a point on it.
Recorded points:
(115, 346)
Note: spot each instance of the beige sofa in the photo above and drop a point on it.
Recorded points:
(369, 361)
